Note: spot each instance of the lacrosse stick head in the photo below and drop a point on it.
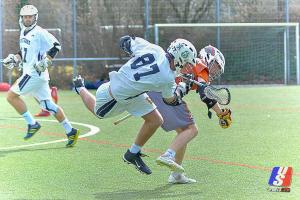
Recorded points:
(221, 95)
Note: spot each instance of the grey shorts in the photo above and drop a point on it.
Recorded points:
(174, 116)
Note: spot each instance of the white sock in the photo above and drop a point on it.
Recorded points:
(67, 125)
(135, 148)
(170, 153)
(28, 118)
(176, 174)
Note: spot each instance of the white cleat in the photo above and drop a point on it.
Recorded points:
(180, 179)
(170, 163)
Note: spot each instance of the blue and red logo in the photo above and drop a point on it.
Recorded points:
(281, 177)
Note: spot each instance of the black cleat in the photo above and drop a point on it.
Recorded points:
(32, 129)
(136, 160)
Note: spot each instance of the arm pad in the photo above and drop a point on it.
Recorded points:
(209, 102)
(54, 50)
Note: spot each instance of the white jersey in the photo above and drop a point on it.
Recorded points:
(148, 70)
(34, 44)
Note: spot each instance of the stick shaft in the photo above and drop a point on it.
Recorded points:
(122, 119)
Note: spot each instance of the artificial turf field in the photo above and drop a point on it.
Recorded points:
(232, 163)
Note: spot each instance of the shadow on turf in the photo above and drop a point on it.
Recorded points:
(156, 193)
(5, 152)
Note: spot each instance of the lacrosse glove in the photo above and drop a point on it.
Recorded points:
(225, 118)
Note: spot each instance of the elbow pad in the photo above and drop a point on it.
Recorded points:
(54, 50)
(209, 102)
(125, 44)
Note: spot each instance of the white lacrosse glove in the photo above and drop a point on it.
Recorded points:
(42, 65)
(10, 61)
(181, 89)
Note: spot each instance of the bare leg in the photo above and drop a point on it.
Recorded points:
(16, 101)
(60, 115)
(183, 137)
(88, 99)
(153, 120)
(180, 155)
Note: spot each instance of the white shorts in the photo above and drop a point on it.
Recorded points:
(32, 85)
(106, 106)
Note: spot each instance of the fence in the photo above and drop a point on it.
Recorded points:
(90, 30)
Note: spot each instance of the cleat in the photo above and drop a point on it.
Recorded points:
(180, 179)
(32, 129)
(136, 160)
(43, 113)
(72, 137)
(170, 163)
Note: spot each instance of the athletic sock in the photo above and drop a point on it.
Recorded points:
(135, 148)
(28, 118)
(170, 153)
(67, 125)
(176, 174)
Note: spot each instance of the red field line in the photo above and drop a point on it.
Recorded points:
(159, 151)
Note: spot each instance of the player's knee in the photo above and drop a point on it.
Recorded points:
(154, 119)
(160, 120)
(10, 96)
(194, 130)
(50, 106)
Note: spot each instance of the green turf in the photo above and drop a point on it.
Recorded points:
(228, 164)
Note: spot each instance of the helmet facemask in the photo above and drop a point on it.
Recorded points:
(214, 61)
(215, 70)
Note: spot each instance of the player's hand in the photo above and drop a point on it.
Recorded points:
(42, 65)
(182, 89)
(225, 118)
(125, 44)
(187, 80)
(78, 83)
(10, 61)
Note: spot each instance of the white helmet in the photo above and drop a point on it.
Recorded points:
(28, 10)
(211, 55)
(182, 52)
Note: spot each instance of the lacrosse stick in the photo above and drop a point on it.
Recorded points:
(221, 95)
(122, 119)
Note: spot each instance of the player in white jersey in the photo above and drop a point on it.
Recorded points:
(37, 48)
(149, 69)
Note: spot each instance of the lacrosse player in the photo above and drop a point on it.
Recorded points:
(37, 48)
(149, 68)
(209, 66)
